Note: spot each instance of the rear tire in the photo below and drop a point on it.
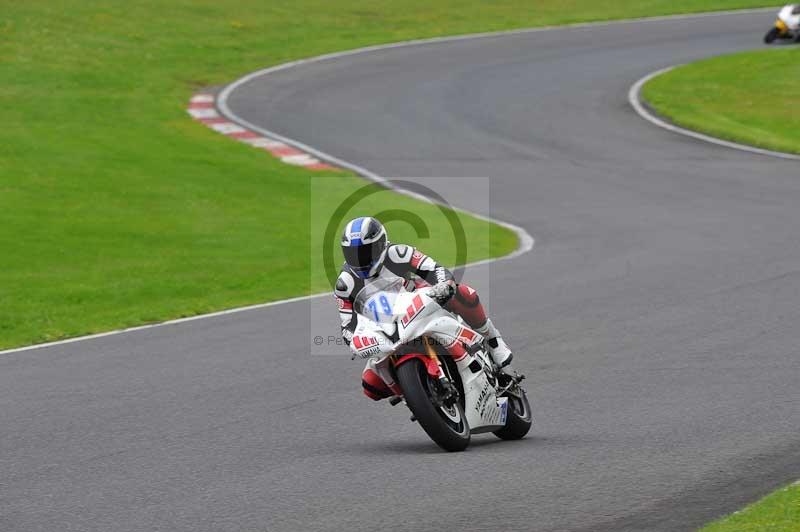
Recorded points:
(447, 427)
(771, 35)
(519, 419)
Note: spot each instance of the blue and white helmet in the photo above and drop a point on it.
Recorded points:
(364, 246)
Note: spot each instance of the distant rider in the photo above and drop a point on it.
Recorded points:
(368, 255)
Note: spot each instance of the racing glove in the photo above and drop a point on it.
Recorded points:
(443, 292)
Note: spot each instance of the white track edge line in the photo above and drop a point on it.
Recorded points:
(526, 241)
(635, 99)
(164, 323)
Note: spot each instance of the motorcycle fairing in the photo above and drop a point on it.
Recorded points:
(485, 412)
(789, 18)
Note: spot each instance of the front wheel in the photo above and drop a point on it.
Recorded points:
(446, 425)
(519, 419)
(771, 35)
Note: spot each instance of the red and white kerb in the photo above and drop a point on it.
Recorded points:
(202, 109)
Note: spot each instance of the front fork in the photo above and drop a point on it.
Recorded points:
(447, 392)
(444, 393)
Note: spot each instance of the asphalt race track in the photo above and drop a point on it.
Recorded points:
(657, 320)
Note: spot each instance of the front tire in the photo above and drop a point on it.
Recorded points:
(771, 35)
(519, 419)
(446, 426)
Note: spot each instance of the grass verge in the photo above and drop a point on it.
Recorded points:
(116, 209)
(777, 512)
(748, 97)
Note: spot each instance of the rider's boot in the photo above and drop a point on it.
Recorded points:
(497, 347)
(467, 304)
(461, 357)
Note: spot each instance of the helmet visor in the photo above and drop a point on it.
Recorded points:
(362, 258)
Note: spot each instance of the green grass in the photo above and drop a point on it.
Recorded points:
(116, 209)
(747, 97)
(778, 512)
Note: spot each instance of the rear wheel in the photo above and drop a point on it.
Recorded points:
(519, 419)
(771, 35)
(445, 424)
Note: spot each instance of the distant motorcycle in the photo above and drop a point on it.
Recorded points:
(405, 332)
(787, 26)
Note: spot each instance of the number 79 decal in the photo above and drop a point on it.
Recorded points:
(386, 307)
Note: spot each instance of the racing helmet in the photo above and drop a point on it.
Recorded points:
(364, 246)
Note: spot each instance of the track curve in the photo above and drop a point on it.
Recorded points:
(656, 320)
(640, 106)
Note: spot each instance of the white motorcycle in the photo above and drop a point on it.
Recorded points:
(406, 333)
(787, 26)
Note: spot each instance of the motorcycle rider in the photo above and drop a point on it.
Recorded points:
(368, 254)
